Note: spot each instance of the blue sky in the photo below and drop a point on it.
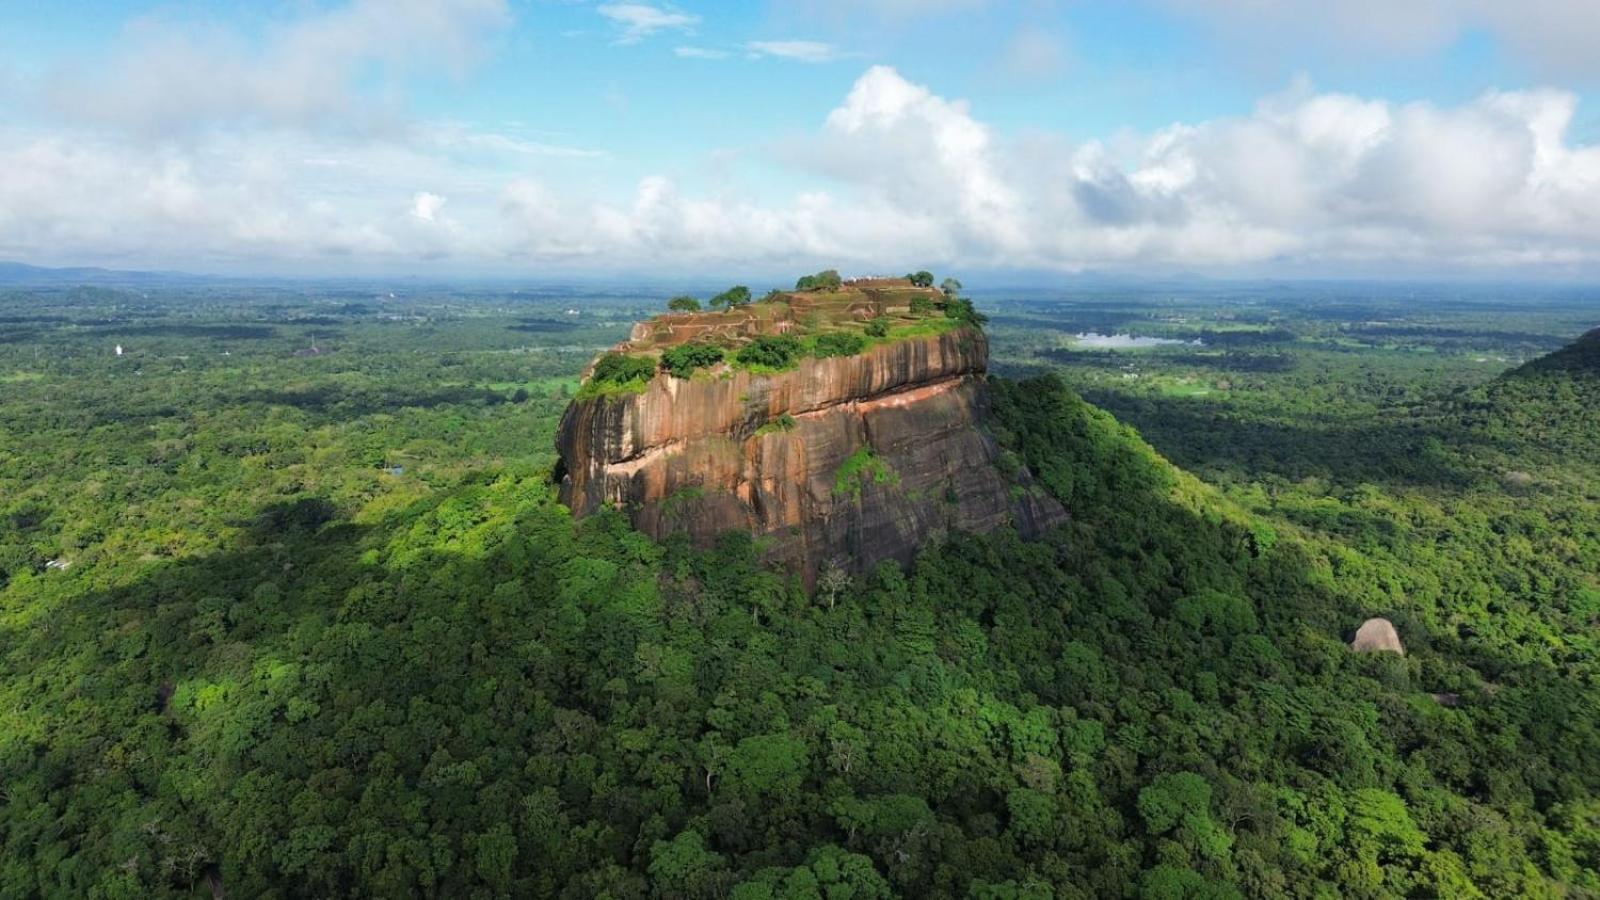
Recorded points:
(547, 137)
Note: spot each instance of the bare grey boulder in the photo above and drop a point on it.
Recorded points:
(1377, 635)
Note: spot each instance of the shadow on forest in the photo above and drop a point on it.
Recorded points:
(174, 329)
(543, 326)
(1477, 336)
(346, 403)
(1206, 436)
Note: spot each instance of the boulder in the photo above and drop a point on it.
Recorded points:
(1377, 636)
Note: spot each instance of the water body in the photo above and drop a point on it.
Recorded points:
(1096, 341)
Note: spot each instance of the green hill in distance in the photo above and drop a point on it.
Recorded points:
(1581, 357)
(1546, 411)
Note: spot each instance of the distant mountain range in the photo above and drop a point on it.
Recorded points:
(16, 274)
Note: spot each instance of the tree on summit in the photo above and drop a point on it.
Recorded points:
(962, 310)
(826, 280)
(921, 279)
(683, 303)
(736, 296)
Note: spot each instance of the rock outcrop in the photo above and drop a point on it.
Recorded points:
(1377, 636)
(846, 460)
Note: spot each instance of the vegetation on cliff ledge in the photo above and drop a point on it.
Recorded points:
(618, 373)
(682, 361)
(860, 469)
(829, 326)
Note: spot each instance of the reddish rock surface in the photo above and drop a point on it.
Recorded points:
(693, 455)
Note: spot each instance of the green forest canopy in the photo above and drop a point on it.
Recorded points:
(368, 684)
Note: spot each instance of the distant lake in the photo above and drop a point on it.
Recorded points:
(1095, 340)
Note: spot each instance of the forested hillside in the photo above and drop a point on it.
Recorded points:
(353, 648)
(1549, 407)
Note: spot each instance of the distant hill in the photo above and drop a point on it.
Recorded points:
(1550, 405)
(22, 274)
(1579, 357)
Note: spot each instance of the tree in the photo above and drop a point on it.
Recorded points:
(921, 279)
(495, 852)
(950, 286)
(832, 581)
(962, 310)
(736, 296)
(684, 303)
(1216, 612)
(826, 280)
(838, 343)
(620, 368)
(1380, 825)
(682, 360)
(1173, 798)
(828, 872)
(1033, 815)
(768, 765)
(772, 351)
(683, 867)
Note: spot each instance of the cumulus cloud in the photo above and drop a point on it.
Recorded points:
(895, 173)
(1307, 176)
(914, 149)
(637, 21)
(166, 77)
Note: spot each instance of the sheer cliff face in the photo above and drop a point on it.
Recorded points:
(851, 460)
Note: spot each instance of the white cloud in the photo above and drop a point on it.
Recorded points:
(638, 21)
(923, 153)
(1321, 178)
(897, 174)
(699, 53)
(459, 136)
(169, 77)
(425, 206)
(802, 51)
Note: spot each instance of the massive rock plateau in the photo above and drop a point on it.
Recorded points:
(846, 460)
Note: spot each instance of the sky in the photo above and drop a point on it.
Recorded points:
(560, 138)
